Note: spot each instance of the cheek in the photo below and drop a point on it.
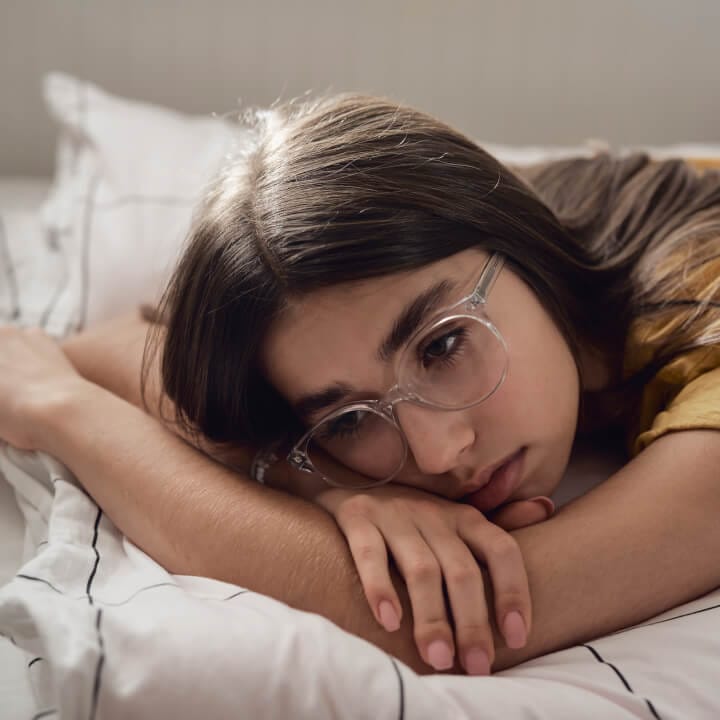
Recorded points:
(538, 398)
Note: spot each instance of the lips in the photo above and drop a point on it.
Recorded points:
(502, 482)
(482, 478)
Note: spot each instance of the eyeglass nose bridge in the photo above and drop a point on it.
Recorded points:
(394, 396)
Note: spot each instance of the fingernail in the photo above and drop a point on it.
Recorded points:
(546, 502)
(388, 617)
(477, 662)
(440, 655)
(514, 630)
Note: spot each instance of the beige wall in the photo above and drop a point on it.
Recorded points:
(515, 71)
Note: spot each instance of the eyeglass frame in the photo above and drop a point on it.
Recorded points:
(385, 406)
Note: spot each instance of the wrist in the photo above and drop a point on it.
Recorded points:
(50, 416)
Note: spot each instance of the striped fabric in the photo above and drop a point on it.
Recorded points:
(128, 176)
(109, 633)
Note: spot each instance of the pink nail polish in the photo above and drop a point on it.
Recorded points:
(546, 502)
(440, 655)
(514, 630)
(477, 662)
(388, 617)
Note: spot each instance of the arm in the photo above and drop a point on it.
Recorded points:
(197, 517)
(110, 355)
(642, 542)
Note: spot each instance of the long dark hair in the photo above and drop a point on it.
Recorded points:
(349, 187)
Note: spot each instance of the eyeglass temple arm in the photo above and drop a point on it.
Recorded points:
(487, 280)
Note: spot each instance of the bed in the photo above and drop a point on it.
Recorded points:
(93, 628)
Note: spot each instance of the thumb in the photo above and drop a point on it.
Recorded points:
(522, 513)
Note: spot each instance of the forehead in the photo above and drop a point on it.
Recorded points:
(333, 334)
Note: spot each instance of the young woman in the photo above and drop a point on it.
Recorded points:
(389, 316)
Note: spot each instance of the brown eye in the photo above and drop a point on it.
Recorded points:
(443, 348)
(342, 425)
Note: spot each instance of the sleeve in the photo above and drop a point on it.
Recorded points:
(695, 407)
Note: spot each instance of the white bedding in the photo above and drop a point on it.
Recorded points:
(108, 633)
(195, 647)
(19, 198)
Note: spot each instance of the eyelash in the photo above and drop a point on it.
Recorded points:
(336, 430)
(459, 333)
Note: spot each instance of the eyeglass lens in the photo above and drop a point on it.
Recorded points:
(458, 363)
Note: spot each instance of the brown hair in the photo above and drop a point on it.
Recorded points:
(348, 187)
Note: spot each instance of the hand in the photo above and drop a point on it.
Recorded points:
(34, 372)
(432, 539)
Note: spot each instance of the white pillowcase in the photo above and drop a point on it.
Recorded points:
(128, 176)
(108, 633)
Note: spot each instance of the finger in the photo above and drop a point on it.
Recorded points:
(466, 591)
(522, 513)
(421, 571)
(371, 560)
(511, 591)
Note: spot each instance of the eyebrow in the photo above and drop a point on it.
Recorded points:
(410, 319)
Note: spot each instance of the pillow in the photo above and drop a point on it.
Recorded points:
(128, 175)
(32, 270)
(106, 632)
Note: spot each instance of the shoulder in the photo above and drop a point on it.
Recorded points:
(695, 405)
(685, 390)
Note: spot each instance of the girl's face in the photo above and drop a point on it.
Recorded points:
(332, 336)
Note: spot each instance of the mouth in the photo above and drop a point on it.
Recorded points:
(503, 481)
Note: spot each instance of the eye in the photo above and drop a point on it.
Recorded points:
(347, 423)
(443, 348)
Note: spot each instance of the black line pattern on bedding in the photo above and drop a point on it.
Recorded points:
(674, 617)
(88, 587)
(111, 603)
(41, 580)
(7, 261)
(401, 687)
(33, 684)
(98, 619)
(600, 659)
(85, 258)
(45, 713)
(118, 603)
(99, 666)
(82, 110)
(62, 286)
(9, 637)
(137, 592)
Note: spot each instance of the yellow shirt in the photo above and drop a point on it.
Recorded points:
(685, 393)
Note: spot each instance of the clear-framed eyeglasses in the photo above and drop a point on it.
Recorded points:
(456, 360)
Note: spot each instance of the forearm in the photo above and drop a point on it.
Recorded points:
(110, 355)
(643, 541)
(640, 543)
(196, 517)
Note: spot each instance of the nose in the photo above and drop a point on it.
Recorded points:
(437, 438)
